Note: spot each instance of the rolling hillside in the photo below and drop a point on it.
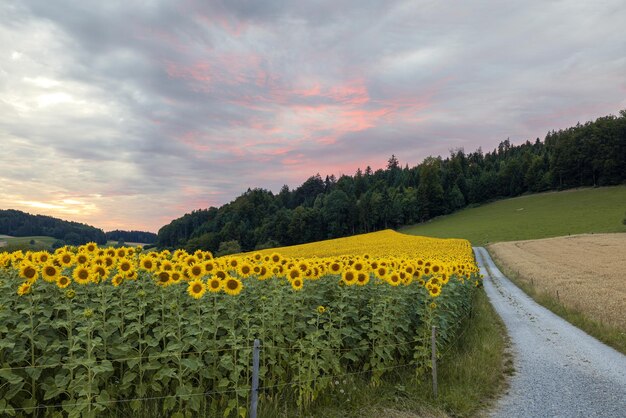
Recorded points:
(589, 210)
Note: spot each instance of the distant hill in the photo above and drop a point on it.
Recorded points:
(21, 224)
(132, 236)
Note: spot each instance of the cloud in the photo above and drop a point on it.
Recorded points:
(127, 115)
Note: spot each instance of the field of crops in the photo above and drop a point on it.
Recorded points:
(86, 331)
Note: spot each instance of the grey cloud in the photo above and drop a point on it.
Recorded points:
(451, 74)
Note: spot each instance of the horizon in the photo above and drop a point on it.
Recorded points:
(124, 117)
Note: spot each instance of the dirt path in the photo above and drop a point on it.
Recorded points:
(560, 370)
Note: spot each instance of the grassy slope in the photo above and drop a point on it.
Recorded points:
(41, 242)
(534, 216)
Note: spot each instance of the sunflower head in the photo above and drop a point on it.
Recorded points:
(24, 289)
(214, 285)
(196, 289)
(297, 284)
(50, 272)
(63, 282)
(349, 277)
(232, 286)
(28, 271)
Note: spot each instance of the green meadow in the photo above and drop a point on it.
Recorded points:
(551, 214)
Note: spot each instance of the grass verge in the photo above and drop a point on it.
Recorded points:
(471, 374)
(609, 335)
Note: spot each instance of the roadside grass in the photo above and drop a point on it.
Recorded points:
(534, 216)
(470, 375)
(609, 335)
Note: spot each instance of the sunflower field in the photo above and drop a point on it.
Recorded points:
(86, 331)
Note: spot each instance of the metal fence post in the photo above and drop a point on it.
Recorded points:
(254, 398)
(433, 342)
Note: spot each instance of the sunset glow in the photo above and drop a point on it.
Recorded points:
(126, 118)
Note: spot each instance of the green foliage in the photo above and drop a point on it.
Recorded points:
(132, 236)
(228, 247)
(533, 217)
(106, 346)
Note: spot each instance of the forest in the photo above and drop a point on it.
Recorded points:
(585, 155)
(142, 237)
(21, 224)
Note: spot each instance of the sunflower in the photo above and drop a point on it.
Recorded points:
(132, 275)
(349, 277)
(117, 280)
(43, 257)
(276, 258)
(245, 269)
(147, 263)
(81, 275)
(176, 276)
(321, 309)
(24, 289)
(209, 266)
(232, 286)
(65, 259)
(109, 261)
(362, 278)
(195, 271)
(335, 267)
(294, 273)
(394, 279)
(297, 284)
(62, 282)
(434, 291)
(91, 247)
(29, 272)
(99, 260)
(233, 263)
(99, 273)
(50, 272)
(124, 265)
(167, 265)
(164, 278)
(82, 258)
(121, 252)
(190, 260)
(111, 252)
(221, 274)
(196, 289)
(303, 266)
(214, 285)
(381, 272)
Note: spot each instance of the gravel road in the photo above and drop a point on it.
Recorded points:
(560, 370)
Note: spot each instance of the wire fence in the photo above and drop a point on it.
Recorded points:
(236, 390)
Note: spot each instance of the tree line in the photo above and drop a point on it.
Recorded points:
(132, 236)
(21, 224)
(590, 154)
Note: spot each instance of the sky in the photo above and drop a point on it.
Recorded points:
(128, 114)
